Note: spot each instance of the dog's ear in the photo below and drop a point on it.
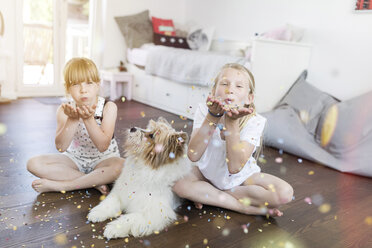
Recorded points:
(151, 124)
(162, 119)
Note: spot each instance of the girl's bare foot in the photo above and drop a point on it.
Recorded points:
(198, 205)
(45, 185)
(104, 189)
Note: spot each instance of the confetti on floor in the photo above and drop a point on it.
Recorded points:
(324, 208)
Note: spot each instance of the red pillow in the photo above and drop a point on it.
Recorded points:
(163, 26)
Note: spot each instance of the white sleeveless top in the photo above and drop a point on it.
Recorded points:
(82, 147)
(213, 162)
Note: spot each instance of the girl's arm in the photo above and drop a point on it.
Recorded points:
(199, 136)
(102, 135)
(237, 152)
(66, 126)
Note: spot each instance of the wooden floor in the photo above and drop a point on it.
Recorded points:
(340, 214)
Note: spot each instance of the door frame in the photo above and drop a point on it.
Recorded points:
(59, 37)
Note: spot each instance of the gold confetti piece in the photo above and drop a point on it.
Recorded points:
(126, 240)
(14, 228)
(209, 103)
(63, 191)
(60, 239)
(368, 220)
(193, 87)
(156, 232)
(266, 204)
(228, 217)
(102, 197)
(324, 208)
(262, 160)
(329, 125)
(79, 206)
(172, 122)
(260, 230)
(245, 201)
(311, 173)
(304, 116)
(205, 241)
(142, 114)
(335, 217)
(123, 99)
(183, 117)
(2, 128)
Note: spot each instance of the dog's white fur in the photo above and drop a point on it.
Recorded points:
(144, 194)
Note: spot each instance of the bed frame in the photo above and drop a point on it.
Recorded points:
(274, 64)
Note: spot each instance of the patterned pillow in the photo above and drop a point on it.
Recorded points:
(200, 38)
(171, 41)
(136, 29)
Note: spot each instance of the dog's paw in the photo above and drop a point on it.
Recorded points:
(115, 230)
(96, 216)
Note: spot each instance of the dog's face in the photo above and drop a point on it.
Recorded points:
(158, 145)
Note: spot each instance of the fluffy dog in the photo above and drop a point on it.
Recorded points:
(156, 159)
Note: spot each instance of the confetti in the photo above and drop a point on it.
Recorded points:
(279, 160)
(102, 197)
(14, 228)
(126, 240)
(123, 99)
(311, 173)
(171, 155)
(245, 201)
(299, 160)
(2, 128)
(63, 191)
(60, 239)
(205, 241)
(209, 103)
(183, 117)
(78, 206)
(142, 114)
(262, 160)
(368, 220)
(308, 200)
(304, 116)
(158, 148)
(329, 125)
(225, 232)
(324, 208)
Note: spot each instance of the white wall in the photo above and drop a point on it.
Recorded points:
(341, 38)
(7, 48)
(114, 48)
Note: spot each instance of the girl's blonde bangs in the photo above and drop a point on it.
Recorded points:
(80, 70)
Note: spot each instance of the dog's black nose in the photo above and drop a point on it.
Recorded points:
(133, 129)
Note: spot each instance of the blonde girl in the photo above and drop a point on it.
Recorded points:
(226, 135)
(89, 154)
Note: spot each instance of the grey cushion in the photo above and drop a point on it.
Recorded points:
(349, 148)
(136, 29)
(352, 126)
(307, 101)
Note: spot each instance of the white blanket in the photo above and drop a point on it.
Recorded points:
(187, 66)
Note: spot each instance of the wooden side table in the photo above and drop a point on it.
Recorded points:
(117, 79)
